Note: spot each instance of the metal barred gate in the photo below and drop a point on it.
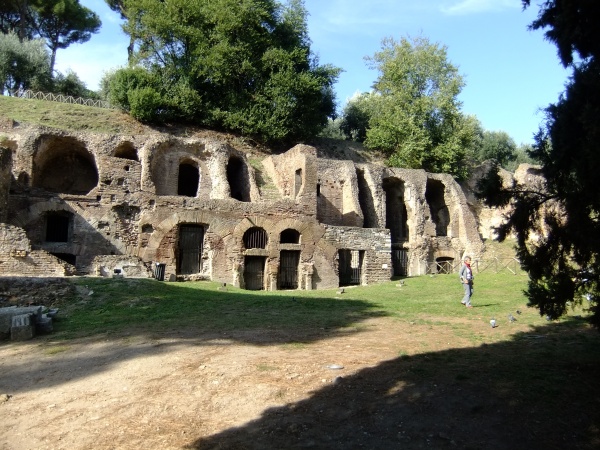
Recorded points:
(254, 272)
(191, 238)
(288, 269)
(400, 262)
(350, 267)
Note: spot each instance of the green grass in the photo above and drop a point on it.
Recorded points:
(67, 116)
(122, 305)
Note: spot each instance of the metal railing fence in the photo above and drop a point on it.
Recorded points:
(48, 96)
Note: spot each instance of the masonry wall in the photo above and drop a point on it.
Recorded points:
(5, 179)
(127, 212)
(375, 243)
(18, 259)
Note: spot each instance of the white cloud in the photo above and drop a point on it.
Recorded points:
(464, 7)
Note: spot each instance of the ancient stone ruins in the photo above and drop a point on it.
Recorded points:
(197, 208)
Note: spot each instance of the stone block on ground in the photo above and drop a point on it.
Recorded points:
(7, 313)
(44, 324)
(22, 327)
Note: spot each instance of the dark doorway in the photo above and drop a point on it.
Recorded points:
(350, 267)
(58, 226)
(444, 265)
(237, 176)
(365, 200)
(434, 194)
(191, 238)
(400, 262)
(288, 269)
(395, 210)
(254, 272)
(187, 182)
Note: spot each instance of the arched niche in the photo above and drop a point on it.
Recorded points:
(255, 237)
(64, 165)
(396, 219)
(440, 216)
(289, 236)
(126, 150)
(237, 177)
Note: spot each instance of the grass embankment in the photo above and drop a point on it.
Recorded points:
(66, 116)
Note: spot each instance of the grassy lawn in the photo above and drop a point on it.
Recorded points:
(117, 305)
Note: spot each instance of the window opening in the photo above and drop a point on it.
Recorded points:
(255, 237)
(58, 227)
(289, 236)
(188, 180)
(297, 182)
(434, 194)
(395, 211)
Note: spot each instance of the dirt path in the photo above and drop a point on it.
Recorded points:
(381, 385)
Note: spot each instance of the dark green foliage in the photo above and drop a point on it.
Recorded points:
(414, 113)
(70, 84)
(497, 145)
(59, 23)
(243, 66)
(355, 118)
(23, 65)
(563, 265)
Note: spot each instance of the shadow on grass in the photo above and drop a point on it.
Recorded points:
(146, 317)
(538, 391)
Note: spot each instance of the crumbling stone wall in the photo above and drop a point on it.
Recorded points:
(142, 196)
(5, 179)
(337, 194)
(18, 259)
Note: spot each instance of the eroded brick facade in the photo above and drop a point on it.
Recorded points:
(107, 205)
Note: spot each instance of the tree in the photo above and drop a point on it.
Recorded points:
(17, 16)
(71, 84)
(496, 145)
(564, 264)
(64, 22)
(246, 65)
(356, 116)
(118, 6)
(23, 65)
(415, 111)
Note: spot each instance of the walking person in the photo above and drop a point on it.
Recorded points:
(466, 278)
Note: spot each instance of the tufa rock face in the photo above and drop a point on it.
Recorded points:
(115, 205)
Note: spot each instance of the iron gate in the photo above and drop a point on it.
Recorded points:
(400, 262)
(191, 238)
(350, 266)
(288, 269)
(254, 272)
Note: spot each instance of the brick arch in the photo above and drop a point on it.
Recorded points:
(250, 222)
(213, 222)
(24, 216)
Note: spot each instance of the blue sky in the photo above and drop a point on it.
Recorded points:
(510, 72)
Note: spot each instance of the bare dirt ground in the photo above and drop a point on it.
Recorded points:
(384, 384)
